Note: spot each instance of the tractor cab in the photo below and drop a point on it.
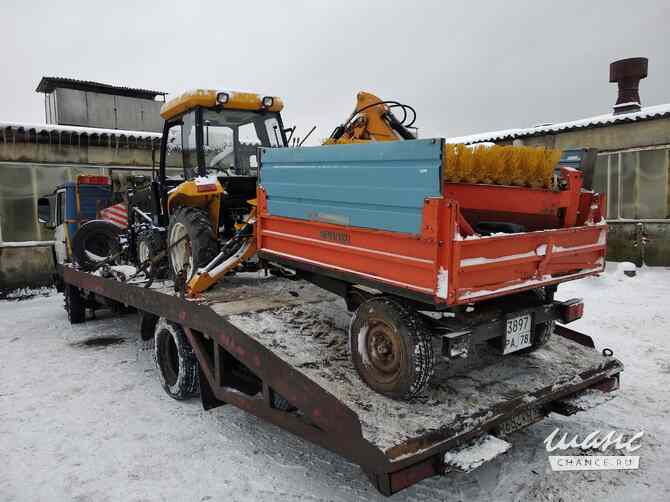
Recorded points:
(214, 136)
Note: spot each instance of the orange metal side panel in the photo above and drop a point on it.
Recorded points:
(401, 260)
(493, 266)
(438, 262)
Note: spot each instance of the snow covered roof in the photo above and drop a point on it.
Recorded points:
(646, 113)
(48, 128)
(48, 84)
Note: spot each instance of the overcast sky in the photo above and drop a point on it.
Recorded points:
(466, 67)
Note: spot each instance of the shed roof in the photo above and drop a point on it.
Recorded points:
(646, 113)
(48, 84)
(48, 128)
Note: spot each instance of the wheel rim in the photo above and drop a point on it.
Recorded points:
(170, 359)
(143, 251)
(181, 255)
(383, 348)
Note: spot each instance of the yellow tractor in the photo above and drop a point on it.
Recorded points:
(205, 217)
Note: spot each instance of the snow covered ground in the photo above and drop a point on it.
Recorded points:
(80, 420)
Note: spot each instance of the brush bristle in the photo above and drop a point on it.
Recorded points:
(501, 165)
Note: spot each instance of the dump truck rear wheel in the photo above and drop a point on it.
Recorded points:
(75, 304)
(198, 246)
(391, 348)
(175, 360)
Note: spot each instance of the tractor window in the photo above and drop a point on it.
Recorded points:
(231, 139)
(273, 132)
(219, 144)
(189, 146)
(173, 150)
(60, 207)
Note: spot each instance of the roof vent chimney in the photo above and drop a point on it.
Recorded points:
(628, 73)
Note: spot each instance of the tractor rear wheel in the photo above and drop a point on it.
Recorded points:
(190, 241)
(391, 348)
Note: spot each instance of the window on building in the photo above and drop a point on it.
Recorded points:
(636, 182)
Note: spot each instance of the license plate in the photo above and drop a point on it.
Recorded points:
(517, 334)
(518, 422)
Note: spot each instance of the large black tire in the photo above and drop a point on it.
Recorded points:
(95, 241)
(175, 360)
(391, 348)
(150, 243)
(200, 244)
(75, 304)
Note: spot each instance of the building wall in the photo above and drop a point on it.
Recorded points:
(76, 149)
(612, 137)
(633, 170)
(91, 109)
(28, 265)
(33, 166)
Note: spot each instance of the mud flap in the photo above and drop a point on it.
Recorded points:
(467, 458)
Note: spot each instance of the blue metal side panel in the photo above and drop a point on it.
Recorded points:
(374, 185)
(90, 198)
(71, 207)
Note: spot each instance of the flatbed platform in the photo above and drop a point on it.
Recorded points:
(290, 337)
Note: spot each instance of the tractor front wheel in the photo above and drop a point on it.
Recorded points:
(150, 244)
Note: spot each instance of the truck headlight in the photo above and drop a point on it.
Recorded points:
(222, 98)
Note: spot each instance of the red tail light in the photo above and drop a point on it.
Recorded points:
(571, 310)
(93, 180)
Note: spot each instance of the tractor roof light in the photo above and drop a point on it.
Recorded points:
(268, 101)
(222, 98)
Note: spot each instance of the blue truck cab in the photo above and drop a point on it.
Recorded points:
(71, 205)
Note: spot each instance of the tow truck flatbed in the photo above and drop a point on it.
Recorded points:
(255, 338)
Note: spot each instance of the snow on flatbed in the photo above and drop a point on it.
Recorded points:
(312, 337)
(80, 421)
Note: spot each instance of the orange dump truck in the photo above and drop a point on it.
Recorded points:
(426, 264)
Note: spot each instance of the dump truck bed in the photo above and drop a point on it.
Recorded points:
(380, 214)
(292, 337)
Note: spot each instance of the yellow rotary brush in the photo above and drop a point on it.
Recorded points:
(501, 165)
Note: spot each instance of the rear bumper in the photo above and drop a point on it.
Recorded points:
(458, 337)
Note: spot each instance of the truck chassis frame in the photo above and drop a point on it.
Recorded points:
(236, 369)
